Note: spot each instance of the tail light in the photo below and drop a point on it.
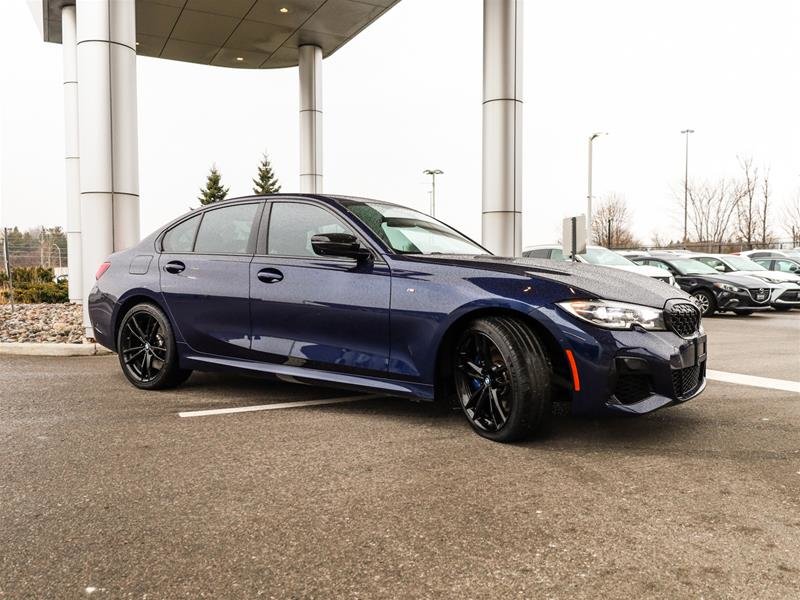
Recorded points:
(102, 269)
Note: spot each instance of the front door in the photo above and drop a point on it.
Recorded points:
(205, 278)
(315, 311)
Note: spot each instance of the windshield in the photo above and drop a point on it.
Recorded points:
(410, 232)
(689, 266)
(740, 263)
(605, 257)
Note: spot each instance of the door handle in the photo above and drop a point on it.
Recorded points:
(174, 266)
(269, 275)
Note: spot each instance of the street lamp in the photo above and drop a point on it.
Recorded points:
(433, 173)
(589, 192)
(686, 132)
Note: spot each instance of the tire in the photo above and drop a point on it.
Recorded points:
(707, 302)
(147, 351)
(502, 379)
(744, 313)
(782, 308)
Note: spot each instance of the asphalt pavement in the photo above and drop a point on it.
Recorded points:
(105, 492)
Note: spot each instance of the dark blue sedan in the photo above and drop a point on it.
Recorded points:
(374, 296)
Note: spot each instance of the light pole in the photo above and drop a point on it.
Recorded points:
(433, 173)
(686, 132)
(589, 191)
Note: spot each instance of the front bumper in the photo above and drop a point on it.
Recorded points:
(633, 371)
(746, 300)
(786, 296)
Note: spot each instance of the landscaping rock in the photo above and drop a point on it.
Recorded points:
(61, 323)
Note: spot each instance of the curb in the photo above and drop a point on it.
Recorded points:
(52, 349)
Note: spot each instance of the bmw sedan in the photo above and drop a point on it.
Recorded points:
(373, 296)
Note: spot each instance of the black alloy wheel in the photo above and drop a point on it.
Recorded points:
(146, 349)
(502, 379)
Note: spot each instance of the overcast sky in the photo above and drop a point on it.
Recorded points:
(405, 95)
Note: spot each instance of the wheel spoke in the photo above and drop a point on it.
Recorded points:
(475, 397)
(130, 359)
(132, 331)
(499, 409)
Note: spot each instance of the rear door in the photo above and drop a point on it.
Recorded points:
(315, 311)
(205, 279)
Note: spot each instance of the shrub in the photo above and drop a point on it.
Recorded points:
(34, 285)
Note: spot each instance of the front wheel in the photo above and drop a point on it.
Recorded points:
(782, 308)
(744, 313)
(706, 302)
(147, 351)
(502, 379)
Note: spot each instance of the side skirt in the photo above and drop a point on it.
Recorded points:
(201, 362)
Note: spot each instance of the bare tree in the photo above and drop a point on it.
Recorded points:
(791, 218)
(766, 235)
(747, 209)
(712, 207)
(611, 223)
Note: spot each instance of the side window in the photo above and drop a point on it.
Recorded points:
(226, 230)
(557, 254)
(291, 226)
(537, 253)
(181, 237)
(660, 265)
(785, 266)
(713, 263)
(764, 262)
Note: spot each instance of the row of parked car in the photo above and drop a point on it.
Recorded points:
(741, 283)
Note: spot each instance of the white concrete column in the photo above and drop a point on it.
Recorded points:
(72, 160)
(109, 165)
(502, 126)
(310, 67)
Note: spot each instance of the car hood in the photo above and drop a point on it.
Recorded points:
(739, 279)
(776, 275)
(587, 280)
(643, 270)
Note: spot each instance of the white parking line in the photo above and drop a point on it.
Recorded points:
(752, 380)
(240, 409)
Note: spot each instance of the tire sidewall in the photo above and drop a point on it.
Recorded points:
(171, 362)
(516, 425)
(712, 303)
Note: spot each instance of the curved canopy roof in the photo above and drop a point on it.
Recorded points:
(249, 34)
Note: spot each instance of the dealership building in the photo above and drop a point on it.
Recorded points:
(102, 38)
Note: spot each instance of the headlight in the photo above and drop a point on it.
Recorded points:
(615, 315)
(768, 279)
(727, 287)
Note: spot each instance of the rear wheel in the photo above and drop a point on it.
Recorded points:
(502, 379)
(146, 349)
(706, 302)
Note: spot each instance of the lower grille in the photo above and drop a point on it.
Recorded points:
(790, 296)
(685, 381)
(632, 388)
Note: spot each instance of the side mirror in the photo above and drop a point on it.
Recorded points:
(720, 268)
(343, 245)
(794, 268)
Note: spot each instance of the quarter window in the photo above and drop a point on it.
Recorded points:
(226, 230)
(181, 237)
(291, 226)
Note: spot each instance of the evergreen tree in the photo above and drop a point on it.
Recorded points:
(214, 191)
(266, 182)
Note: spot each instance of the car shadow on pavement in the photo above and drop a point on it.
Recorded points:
(670, 427)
